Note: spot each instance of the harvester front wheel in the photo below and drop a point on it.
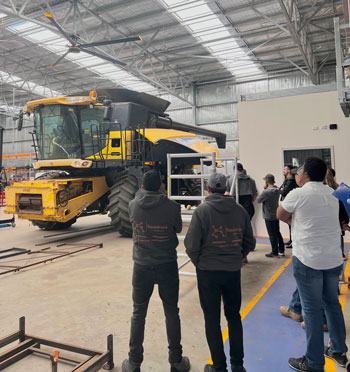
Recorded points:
(51, 225)
(122, 192)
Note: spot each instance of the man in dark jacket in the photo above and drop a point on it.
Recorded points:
(155, 220)
(219, 236)
(247, 191)
(287, 186)
(269, 199)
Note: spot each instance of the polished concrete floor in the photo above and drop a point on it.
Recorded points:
(82, 298)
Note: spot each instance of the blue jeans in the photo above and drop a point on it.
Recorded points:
(319, 289)
(295, 303)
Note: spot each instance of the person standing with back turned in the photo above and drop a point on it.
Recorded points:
(287, 186)
(317, 262)
(219, 236)
(269, 199)
(155, 221)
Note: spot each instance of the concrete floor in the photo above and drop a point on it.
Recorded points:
(83, 298)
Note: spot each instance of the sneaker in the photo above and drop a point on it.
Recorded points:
(271, 255)
(289, 245)
(238, 368)
(182, 366)
(286, 311)
(129, 367)
(210, 368)
(301, 364)
(325, 326)
(340, 358)
(282, 254)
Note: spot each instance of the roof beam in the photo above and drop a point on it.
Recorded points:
(294, 23)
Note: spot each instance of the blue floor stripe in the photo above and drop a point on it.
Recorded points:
(269, 338)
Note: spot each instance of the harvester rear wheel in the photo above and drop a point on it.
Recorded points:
(122, 192)
(51, 225)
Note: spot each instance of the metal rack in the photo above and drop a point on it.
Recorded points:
(29, 345)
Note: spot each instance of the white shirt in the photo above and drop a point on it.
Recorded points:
(315, 225)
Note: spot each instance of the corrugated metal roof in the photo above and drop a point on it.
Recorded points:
(170, 56)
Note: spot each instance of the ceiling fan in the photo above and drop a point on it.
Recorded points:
(77, 47)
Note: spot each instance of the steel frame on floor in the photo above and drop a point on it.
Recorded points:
(29, 345)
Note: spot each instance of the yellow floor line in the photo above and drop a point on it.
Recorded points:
(329, 364)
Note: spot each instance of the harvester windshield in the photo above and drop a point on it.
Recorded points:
(64, 132)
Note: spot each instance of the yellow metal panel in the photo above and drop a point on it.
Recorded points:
(155, 134)
(48, 190)
(74, 163)
(204, 147)
(30, 106)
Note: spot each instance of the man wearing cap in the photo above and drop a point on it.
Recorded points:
(219, 236)
(269, 199)
(247, 191)
(155, 221)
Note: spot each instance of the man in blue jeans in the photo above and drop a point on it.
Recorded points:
(155, 222)
(312, 211)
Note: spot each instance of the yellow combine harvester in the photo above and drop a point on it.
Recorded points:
(92, 152)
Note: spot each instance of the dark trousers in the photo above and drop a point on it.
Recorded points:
(212, 286)
(273, 229)
(143, 281)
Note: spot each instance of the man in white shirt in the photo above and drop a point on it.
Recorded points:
(312, 211)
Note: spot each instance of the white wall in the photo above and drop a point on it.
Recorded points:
(267, 127)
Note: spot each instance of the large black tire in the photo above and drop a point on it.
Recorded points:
(122, 192)
(51, 225)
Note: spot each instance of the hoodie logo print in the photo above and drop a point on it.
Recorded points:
(139, 227)
(217, 231)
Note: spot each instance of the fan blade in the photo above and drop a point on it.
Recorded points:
(108, 42)
(110, 59)
(60, 59)
(59, 28)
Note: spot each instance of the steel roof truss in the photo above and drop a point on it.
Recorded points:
(294, 21)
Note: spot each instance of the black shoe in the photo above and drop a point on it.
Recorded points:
(288, 242)
(340, 358)
(271, 255)
(289, 245)
(210, 368)
(301, 365)
(182, 366)
(238, 368)
(129, 367)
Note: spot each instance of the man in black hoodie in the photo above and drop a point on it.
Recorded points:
(155, 220)
(219, 236)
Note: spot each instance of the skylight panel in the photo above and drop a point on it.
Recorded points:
(206, 26)
(2, 15)
(43, 35)
(109, 71)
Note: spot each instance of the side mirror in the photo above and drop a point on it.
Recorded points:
(20, 121)
(107, 115)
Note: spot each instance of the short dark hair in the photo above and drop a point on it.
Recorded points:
(151, 180)
(332, 171)
(289, 166)
(240, 166)
(316, 169)
(214, 190)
